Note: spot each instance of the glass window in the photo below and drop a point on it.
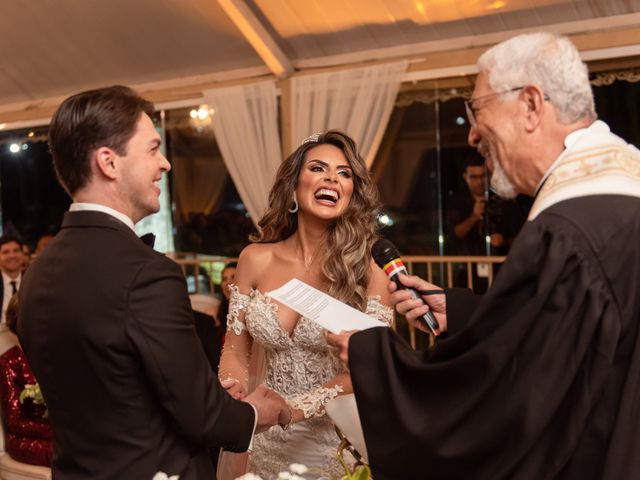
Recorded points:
(435, 187)
(209, 216)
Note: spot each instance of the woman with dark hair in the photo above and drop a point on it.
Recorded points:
(319, 227)
(228, 275)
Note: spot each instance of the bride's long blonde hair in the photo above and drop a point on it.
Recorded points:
(347, 256)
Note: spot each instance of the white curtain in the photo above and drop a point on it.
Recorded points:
(245, 122)
(358, 102)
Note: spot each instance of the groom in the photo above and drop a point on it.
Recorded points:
(106, 322)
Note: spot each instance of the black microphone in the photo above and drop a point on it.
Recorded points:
(387, 257)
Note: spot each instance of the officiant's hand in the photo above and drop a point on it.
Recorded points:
(341, 342)
(269, 406)
(413, 309)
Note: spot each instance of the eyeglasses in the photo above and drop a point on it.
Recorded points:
(471, 110)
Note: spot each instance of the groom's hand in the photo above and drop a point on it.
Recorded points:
(286, 413)
(268, 407)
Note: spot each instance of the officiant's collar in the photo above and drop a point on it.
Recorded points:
(569, 141)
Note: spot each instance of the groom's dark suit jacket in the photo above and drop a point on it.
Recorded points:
(106, 325)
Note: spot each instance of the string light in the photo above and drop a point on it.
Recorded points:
(201, 117)
(201, 113)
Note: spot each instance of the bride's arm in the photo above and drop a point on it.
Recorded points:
(312, 404)
(236, 354)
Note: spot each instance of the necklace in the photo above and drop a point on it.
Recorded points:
(308, 263)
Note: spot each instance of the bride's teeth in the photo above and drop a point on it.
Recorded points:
(329, 193)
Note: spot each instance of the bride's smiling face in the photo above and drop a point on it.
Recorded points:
(325, 183)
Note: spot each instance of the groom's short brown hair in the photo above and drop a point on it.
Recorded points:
(89, 120)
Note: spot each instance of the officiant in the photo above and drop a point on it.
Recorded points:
(540, 379)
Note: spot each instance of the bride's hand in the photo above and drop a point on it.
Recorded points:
(234, 388)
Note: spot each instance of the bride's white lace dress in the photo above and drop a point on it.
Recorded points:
(297, 366)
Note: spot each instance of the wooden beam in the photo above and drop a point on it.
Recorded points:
(255, 33)
(285, 116)
(483, 41)
(606, 50)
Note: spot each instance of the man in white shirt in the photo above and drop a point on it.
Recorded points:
(11, 261)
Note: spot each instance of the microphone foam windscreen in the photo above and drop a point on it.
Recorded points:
(383, 251)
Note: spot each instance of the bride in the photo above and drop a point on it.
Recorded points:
(319, 228)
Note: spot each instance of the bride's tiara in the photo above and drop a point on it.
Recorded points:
(313, 138)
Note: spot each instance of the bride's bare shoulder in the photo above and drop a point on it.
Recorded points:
(256, 256)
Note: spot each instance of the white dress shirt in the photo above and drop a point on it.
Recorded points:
(96, 207)
(8, 292)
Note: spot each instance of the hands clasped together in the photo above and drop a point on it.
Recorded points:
(271, 407)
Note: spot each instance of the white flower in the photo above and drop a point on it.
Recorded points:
(284, 476)
(164, 476)
(249, 476)
(298, 468)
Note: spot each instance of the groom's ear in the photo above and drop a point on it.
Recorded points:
(104, 162)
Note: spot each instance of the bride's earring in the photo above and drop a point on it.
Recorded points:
(294, 208)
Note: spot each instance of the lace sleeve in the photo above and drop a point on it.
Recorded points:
(312, 403)
(237, 303)
(234, 361)
(377, 309)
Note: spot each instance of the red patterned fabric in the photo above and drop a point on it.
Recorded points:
(28, 436)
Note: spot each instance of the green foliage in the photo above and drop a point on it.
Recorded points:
(32, 392)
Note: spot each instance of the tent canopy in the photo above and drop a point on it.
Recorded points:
(171, 50)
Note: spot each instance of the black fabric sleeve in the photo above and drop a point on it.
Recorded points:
(491, 401)
(161, 326)
(461, 303)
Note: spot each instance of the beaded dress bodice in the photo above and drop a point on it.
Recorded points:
(297, 367)
(296, 363)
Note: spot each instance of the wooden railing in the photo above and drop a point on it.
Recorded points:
(444, 271)
(476, 273)
(197, 270)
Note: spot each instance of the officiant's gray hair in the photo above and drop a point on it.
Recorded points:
(547, 60)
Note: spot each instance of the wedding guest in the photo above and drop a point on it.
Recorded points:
(26, 256)
(228, 277)
(543, 380)
(11, 267)
(43, 241)
(319, 227)
(27, 432)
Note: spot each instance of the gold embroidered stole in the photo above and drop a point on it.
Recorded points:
(598, 163)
